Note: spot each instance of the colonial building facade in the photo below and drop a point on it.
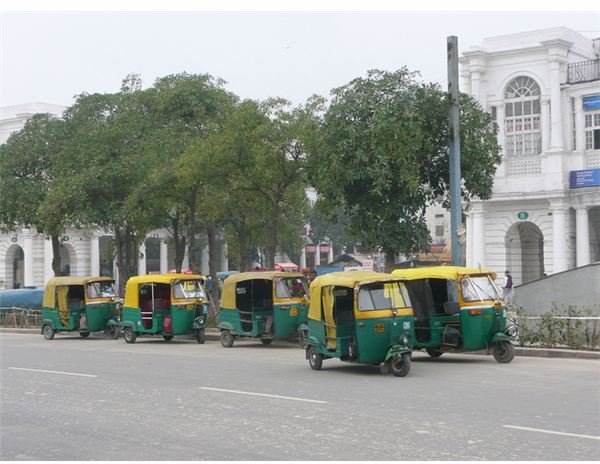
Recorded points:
(543, 88)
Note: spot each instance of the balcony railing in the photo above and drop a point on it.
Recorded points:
(584, 71)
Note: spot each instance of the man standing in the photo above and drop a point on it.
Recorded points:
(508, 288)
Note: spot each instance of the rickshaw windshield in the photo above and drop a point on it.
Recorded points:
(479, 288)
(103, 289)
(382, 295)
(290, 287)
(188, 289)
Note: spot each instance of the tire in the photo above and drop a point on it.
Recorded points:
(168, 338)
(314, 359)
(84, 334)
(114, 331)
(48, 332)
(227, 339)
(434, 353)
(401, 365)
(200, 336)
(129, 335)
(503, 351)
(266, 341)
(302, 338)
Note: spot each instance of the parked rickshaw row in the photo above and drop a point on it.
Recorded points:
(357, 316)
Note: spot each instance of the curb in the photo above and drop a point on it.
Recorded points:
(214, 335)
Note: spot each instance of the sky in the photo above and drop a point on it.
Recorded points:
(51, 56)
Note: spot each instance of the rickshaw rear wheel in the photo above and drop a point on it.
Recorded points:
(434, 353)
(200, 336)
(401, 365)
(113, 331)
(314, 359)
(226, 339)
(84, 334)
(266, 341)
(129, 335)
(48, 332)
(168, 338)
(503, 351)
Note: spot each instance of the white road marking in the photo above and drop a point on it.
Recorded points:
(591, 437)
(264, 394)
(52, 372)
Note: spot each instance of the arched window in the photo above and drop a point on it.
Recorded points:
(522, 129)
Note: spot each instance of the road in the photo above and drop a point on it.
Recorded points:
(101, 399)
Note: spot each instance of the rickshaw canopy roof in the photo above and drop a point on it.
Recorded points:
(440, 272)
(66, 281)
(228, 299)
(134, 283)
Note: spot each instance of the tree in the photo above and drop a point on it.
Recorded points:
(382, 155)
(28, 172)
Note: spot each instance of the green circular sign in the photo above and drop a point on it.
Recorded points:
(523, 215)
(13, 239)
(65, 238)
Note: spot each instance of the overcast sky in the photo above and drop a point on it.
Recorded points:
(50, 57)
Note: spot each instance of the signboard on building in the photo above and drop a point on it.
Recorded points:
(584, 178)
(591, 103)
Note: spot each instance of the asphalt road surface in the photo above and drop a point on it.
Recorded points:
(101, 399)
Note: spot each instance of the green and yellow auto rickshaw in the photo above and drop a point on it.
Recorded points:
(166, 305)
(360, 316)
(457, 309)
(264, 305)
(83, 304)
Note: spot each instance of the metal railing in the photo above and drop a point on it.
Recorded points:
(584, 71)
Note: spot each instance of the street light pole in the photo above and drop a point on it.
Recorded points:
(454, 152)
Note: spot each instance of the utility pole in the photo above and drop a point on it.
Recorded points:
(454, 145)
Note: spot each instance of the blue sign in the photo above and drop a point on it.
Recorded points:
(585, 178)
(591, 103)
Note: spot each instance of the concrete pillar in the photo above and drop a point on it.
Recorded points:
(583, 236)
(95, 255)
(469, 243)
(224, 257)
(48, 256)
(556, 136)
(330, 255)
(303, 258)
(317, 255)
(142, 259)
(559, 238)
(478, 239)
(164, 256)
(28, 260)
(204, 267)
(185, 264)
(545, 123)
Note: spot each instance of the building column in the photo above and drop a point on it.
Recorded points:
(478, 239)
(185, 264)
(95, 255)
(559, 237)
(556, 136)
(224, 257)
(142, 259)
(545, 123)
(469, 243)
(164, 256)
(579, 125)
(583, 236)
(475, 84)
(48, 256)
(317, 255)
(303, 258)
(330, 255)
(204, 267)
(28, 260)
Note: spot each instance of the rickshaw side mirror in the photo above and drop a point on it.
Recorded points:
(451, 307)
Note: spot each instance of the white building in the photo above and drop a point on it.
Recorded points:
(26, 255)
(543, 88)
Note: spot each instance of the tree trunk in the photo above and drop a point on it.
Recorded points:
(244, 260)
(390, 260)
(120, 262)
(127, 256)
(272, 237)
(213, 264)
(179, 243)
(191, 236)
(56, 263)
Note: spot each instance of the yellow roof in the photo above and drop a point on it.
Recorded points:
(65, 281)
(131, 289)
(438, 272)
(228, 296)
(349, 278)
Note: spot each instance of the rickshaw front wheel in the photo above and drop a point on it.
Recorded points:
(113, 331)
(129, 335)
(84, 334)
(226, 339)
(266, 341)
(168, 338)
(401, 365)
(314, 359)
(503, 351)
(200, 336)
(48, 332)
(434, 353)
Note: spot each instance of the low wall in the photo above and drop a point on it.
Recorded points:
(577, 287)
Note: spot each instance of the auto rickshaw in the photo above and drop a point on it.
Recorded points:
(457, 309)
(264, 305)
(83, 304)
(360, 316)
(165, 304)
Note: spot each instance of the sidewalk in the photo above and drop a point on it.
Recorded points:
(213, 335)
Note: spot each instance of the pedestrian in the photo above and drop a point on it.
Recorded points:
(312, 275)
(507, 287)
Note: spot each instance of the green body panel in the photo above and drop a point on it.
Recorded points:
(477, 331)
(97, 316)
(182, 320)
(284, 323)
